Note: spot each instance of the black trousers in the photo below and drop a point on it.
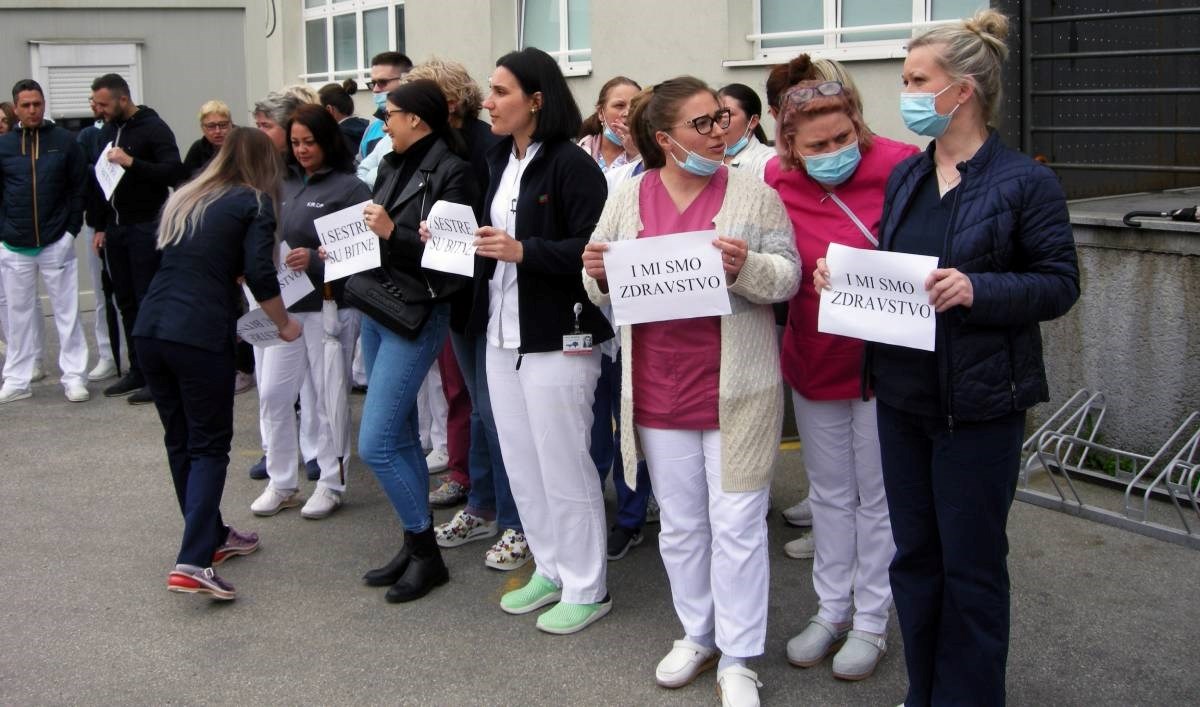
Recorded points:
(949, 493)
(193, 392)
(132, 261)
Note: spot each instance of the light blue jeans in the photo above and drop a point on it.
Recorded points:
(388, 439)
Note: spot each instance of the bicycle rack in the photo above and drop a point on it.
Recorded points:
(1061, 446)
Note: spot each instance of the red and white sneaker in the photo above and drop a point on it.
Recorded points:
(236, 543)
(203, 581)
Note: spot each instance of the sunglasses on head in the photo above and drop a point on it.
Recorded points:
(804, 94)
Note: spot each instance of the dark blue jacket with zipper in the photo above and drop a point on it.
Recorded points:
(43, 180)
(1010, 234)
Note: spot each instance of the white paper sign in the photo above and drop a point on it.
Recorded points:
(878, 296)
(256, 328)
(108, 173)
(350, 246)
(451, 238)
(665, 278)
(294, 285)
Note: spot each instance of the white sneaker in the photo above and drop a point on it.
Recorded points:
(683, 664)
(802, 548)
(273, 500)
(321, 503)
(437, 461)
(104, 370)
(738, 686)
(77, 393)
(799, 515)
(463, 528)
(39, 372)
(11, 395)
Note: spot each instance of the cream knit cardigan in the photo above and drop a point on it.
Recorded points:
(750, 403)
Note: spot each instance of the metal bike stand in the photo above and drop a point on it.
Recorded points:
(1060, 447)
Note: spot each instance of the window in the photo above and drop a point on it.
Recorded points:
(341, 36)
(66, 71)
(820, 25)
(561, 29)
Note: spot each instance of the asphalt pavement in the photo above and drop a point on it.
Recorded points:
(90, 528)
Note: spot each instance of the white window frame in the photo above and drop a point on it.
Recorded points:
(338, 8)
(563, 54)
(93, 58)
(834, 45)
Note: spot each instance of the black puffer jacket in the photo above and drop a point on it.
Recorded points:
(43, 180)
(1010, 234)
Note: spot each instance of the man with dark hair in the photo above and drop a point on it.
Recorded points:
(127, 223)
(42, 184)
(386, 70)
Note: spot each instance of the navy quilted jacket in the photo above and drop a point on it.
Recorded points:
(1009, 233)
(42, 185)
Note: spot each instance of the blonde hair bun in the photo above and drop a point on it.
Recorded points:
(989, 24)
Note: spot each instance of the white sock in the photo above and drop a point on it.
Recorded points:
(190, 569)
(706, 640)
(728, 661)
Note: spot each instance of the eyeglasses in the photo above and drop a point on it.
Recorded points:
(804, 94)
(223, 125)
(704, 123)
(380, 83)
(392, 112)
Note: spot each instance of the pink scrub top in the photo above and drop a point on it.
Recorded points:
(677, 364)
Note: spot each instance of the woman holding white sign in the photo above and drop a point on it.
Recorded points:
(218, 227)
(321, 181)
(427, 164)
(543, 335)
(951, 421)
(831, 175)
(703, 395)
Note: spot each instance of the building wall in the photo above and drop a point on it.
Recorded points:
(647, 41)
(189, 54)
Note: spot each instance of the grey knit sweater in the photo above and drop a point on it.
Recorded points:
(750, 403)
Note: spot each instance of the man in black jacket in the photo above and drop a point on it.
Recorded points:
(127, 228)
(42, 185)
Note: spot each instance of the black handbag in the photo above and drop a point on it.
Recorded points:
(392, 298)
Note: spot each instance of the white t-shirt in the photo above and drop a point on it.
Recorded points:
(504, 324)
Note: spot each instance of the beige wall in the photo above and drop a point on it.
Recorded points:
(648, 41)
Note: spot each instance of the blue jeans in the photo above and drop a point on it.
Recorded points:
(606, 447)
(389, 438)
(489, 480)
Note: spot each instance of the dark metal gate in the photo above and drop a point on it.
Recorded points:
(1107, 92)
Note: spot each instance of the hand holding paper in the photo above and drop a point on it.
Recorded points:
(877, 296)
(108, 174)
(679, 276)
(350, 245)
(451, 244)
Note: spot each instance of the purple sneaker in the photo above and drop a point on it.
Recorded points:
(235, 544)
(203, 581)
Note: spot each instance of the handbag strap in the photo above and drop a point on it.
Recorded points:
(865, 231)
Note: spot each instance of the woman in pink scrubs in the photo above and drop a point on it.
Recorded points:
(703, 394)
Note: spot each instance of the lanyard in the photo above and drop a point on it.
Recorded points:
(865, 231)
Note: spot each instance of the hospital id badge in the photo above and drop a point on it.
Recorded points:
(577, 344)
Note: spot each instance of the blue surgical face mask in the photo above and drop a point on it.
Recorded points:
(738, 146)
(695, 164)
(612, 136)
(835, 167)
(380, 100)
(920, 113)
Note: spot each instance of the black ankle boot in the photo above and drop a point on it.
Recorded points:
(392, 571)
(424, 572)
